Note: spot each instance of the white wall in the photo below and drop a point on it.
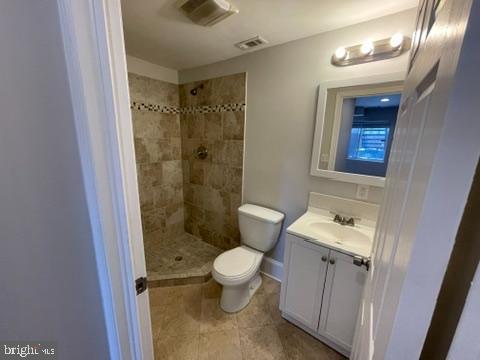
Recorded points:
(50, 290)
(154, 71)
(281, 103)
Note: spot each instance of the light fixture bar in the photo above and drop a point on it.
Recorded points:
(382, 49)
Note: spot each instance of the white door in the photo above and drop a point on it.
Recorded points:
(93, 42)
(305, 271)
(431, 166)
(341, 299)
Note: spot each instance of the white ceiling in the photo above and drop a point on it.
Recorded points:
(156, 31)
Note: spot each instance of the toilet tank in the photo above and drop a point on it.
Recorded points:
(259, 226)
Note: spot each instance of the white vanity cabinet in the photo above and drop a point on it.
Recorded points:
(321, 291)
(341, 299)
(305, 280)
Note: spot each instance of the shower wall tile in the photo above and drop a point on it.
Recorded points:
(216, 175)
(153, 220)
(233, 125)
(213, 186)
(213, 126)
(172, 172)
(169, 149)
(170, 126)
(150, 174)
(195, 124)
(197, 172)
(233, 153)
(233, 180)
(141, 153)
(151, 91)
(158, 152)
(217, 91)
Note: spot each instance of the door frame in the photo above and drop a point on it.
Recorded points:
(92, 34)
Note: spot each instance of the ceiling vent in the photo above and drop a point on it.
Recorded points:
(207, 12)
(251, 43)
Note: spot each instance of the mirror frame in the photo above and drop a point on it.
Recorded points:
(320, 120)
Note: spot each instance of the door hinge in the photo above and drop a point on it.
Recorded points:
(141, 285)
(361, 261)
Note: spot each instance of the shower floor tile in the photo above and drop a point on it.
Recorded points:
(180, 261)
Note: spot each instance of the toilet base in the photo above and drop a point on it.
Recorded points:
(235, 298)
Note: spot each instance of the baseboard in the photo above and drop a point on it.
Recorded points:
(272, 268)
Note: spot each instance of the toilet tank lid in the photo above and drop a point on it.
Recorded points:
(261, 213)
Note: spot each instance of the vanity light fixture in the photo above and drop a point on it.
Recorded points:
(396, 40)
(367, 47)
(340, 53)
(371, 50)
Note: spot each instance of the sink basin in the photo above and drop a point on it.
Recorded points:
(339, 234)
(317, 226)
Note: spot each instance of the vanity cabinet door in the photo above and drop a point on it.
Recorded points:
(305, 270)
(341, 300)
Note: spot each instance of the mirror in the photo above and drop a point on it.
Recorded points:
(355, 126)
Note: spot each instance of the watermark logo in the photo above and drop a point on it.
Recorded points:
(37, 350)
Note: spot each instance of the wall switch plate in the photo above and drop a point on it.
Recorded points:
(362, 192)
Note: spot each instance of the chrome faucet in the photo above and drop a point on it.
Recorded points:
(343, 220)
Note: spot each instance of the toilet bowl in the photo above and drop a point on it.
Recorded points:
(238, 270)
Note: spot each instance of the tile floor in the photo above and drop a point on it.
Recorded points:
(188, 324)
(181, 260)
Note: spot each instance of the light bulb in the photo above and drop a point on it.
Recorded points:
(340, 53)
(367, 47)
(396, 40)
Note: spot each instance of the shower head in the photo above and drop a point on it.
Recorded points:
(194, 91)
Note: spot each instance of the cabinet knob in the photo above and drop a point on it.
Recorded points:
(324, 258)
(332, 261)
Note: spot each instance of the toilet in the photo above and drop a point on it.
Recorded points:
(238, 270)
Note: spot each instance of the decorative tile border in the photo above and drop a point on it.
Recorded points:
(212, 108)
(166, 109)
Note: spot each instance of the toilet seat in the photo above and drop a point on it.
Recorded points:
(236, 266)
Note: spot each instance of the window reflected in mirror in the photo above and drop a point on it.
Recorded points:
(366, 134)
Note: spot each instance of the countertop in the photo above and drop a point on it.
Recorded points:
(356, 240)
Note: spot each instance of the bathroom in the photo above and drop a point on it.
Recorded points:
(233, 145)
(209, 138)
(240, 179)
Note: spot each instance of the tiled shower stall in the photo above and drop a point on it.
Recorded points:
(188, 204)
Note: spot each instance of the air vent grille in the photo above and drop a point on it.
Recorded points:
(191, 5)
(251, 43)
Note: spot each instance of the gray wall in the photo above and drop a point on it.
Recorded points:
(282, 86)
(50, 290)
